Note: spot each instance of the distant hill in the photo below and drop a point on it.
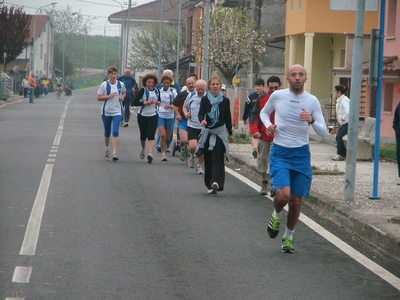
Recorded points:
(97, 47)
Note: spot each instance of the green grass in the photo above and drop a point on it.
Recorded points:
(388, 151)
(241, 138)
(92, 80)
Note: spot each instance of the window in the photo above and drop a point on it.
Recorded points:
(388, 97)
(291, 5)
(299, 4)
(391, 19)
(342, 58)
(41, 51)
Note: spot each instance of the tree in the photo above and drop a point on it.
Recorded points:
(14, 32)
(233, 41)
(144, 53)
(69, 28)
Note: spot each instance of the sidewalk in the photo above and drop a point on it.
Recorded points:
(374, 221)
(12, 99)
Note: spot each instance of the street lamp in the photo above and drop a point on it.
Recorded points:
(122, 30)
(63, 57)
(85, 28)
(34, 36)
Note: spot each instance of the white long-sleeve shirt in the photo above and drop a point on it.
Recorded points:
(342, 109)
(291, 131)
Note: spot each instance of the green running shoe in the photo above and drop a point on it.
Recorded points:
(273, 226)
(287, 245)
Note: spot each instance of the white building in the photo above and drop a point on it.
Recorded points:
(134, 18)
(38, 56)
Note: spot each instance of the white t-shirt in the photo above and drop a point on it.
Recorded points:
(148, 110)
(111, 107)
(192, 103)
(167, 97)
(291, 131)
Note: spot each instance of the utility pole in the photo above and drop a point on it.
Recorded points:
(206, 40)
(161, 39)
(354, 114)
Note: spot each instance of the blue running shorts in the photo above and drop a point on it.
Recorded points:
(291, 167)
(183, 124)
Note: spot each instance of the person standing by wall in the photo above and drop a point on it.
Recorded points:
(342, 116)
(295, 110)
(396, 127)
(131, 88)
(112, 92)
(215, 117)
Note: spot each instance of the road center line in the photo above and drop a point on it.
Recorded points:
(22, 274)
(350, 251)
(32, 230)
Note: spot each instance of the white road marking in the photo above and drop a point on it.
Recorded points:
(32, 230)
(350, 251)
(22, 274)
(57, 139)
(13, 298)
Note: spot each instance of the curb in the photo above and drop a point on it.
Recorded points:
(366, 232)
(11, 100)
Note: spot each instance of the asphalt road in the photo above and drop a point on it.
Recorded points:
(74, 226)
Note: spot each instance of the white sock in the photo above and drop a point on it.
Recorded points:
(288, 233)
(106, 149)
(277, 215)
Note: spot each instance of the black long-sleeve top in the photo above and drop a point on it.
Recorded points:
(396, 119)
(225, 117)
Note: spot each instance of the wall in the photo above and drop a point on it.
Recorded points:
(316, 16)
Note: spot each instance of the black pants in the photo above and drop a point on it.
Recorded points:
(214, 165)
(147, 127)
(127, 106)
(25, 92)
(340, 148)
(398, 151)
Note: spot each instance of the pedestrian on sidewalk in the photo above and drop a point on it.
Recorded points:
(258, 131)
(112, 92)
(215, 117)
(396, 127)
(248, 107)
(32, 86)
(147, 115)
(25, 84)
(342, 116)
(131, 87)
(295, 110)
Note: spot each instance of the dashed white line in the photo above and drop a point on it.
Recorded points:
(22, 274)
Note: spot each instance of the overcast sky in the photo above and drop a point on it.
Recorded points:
(88, 8)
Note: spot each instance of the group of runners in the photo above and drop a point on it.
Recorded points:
(278, 120)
